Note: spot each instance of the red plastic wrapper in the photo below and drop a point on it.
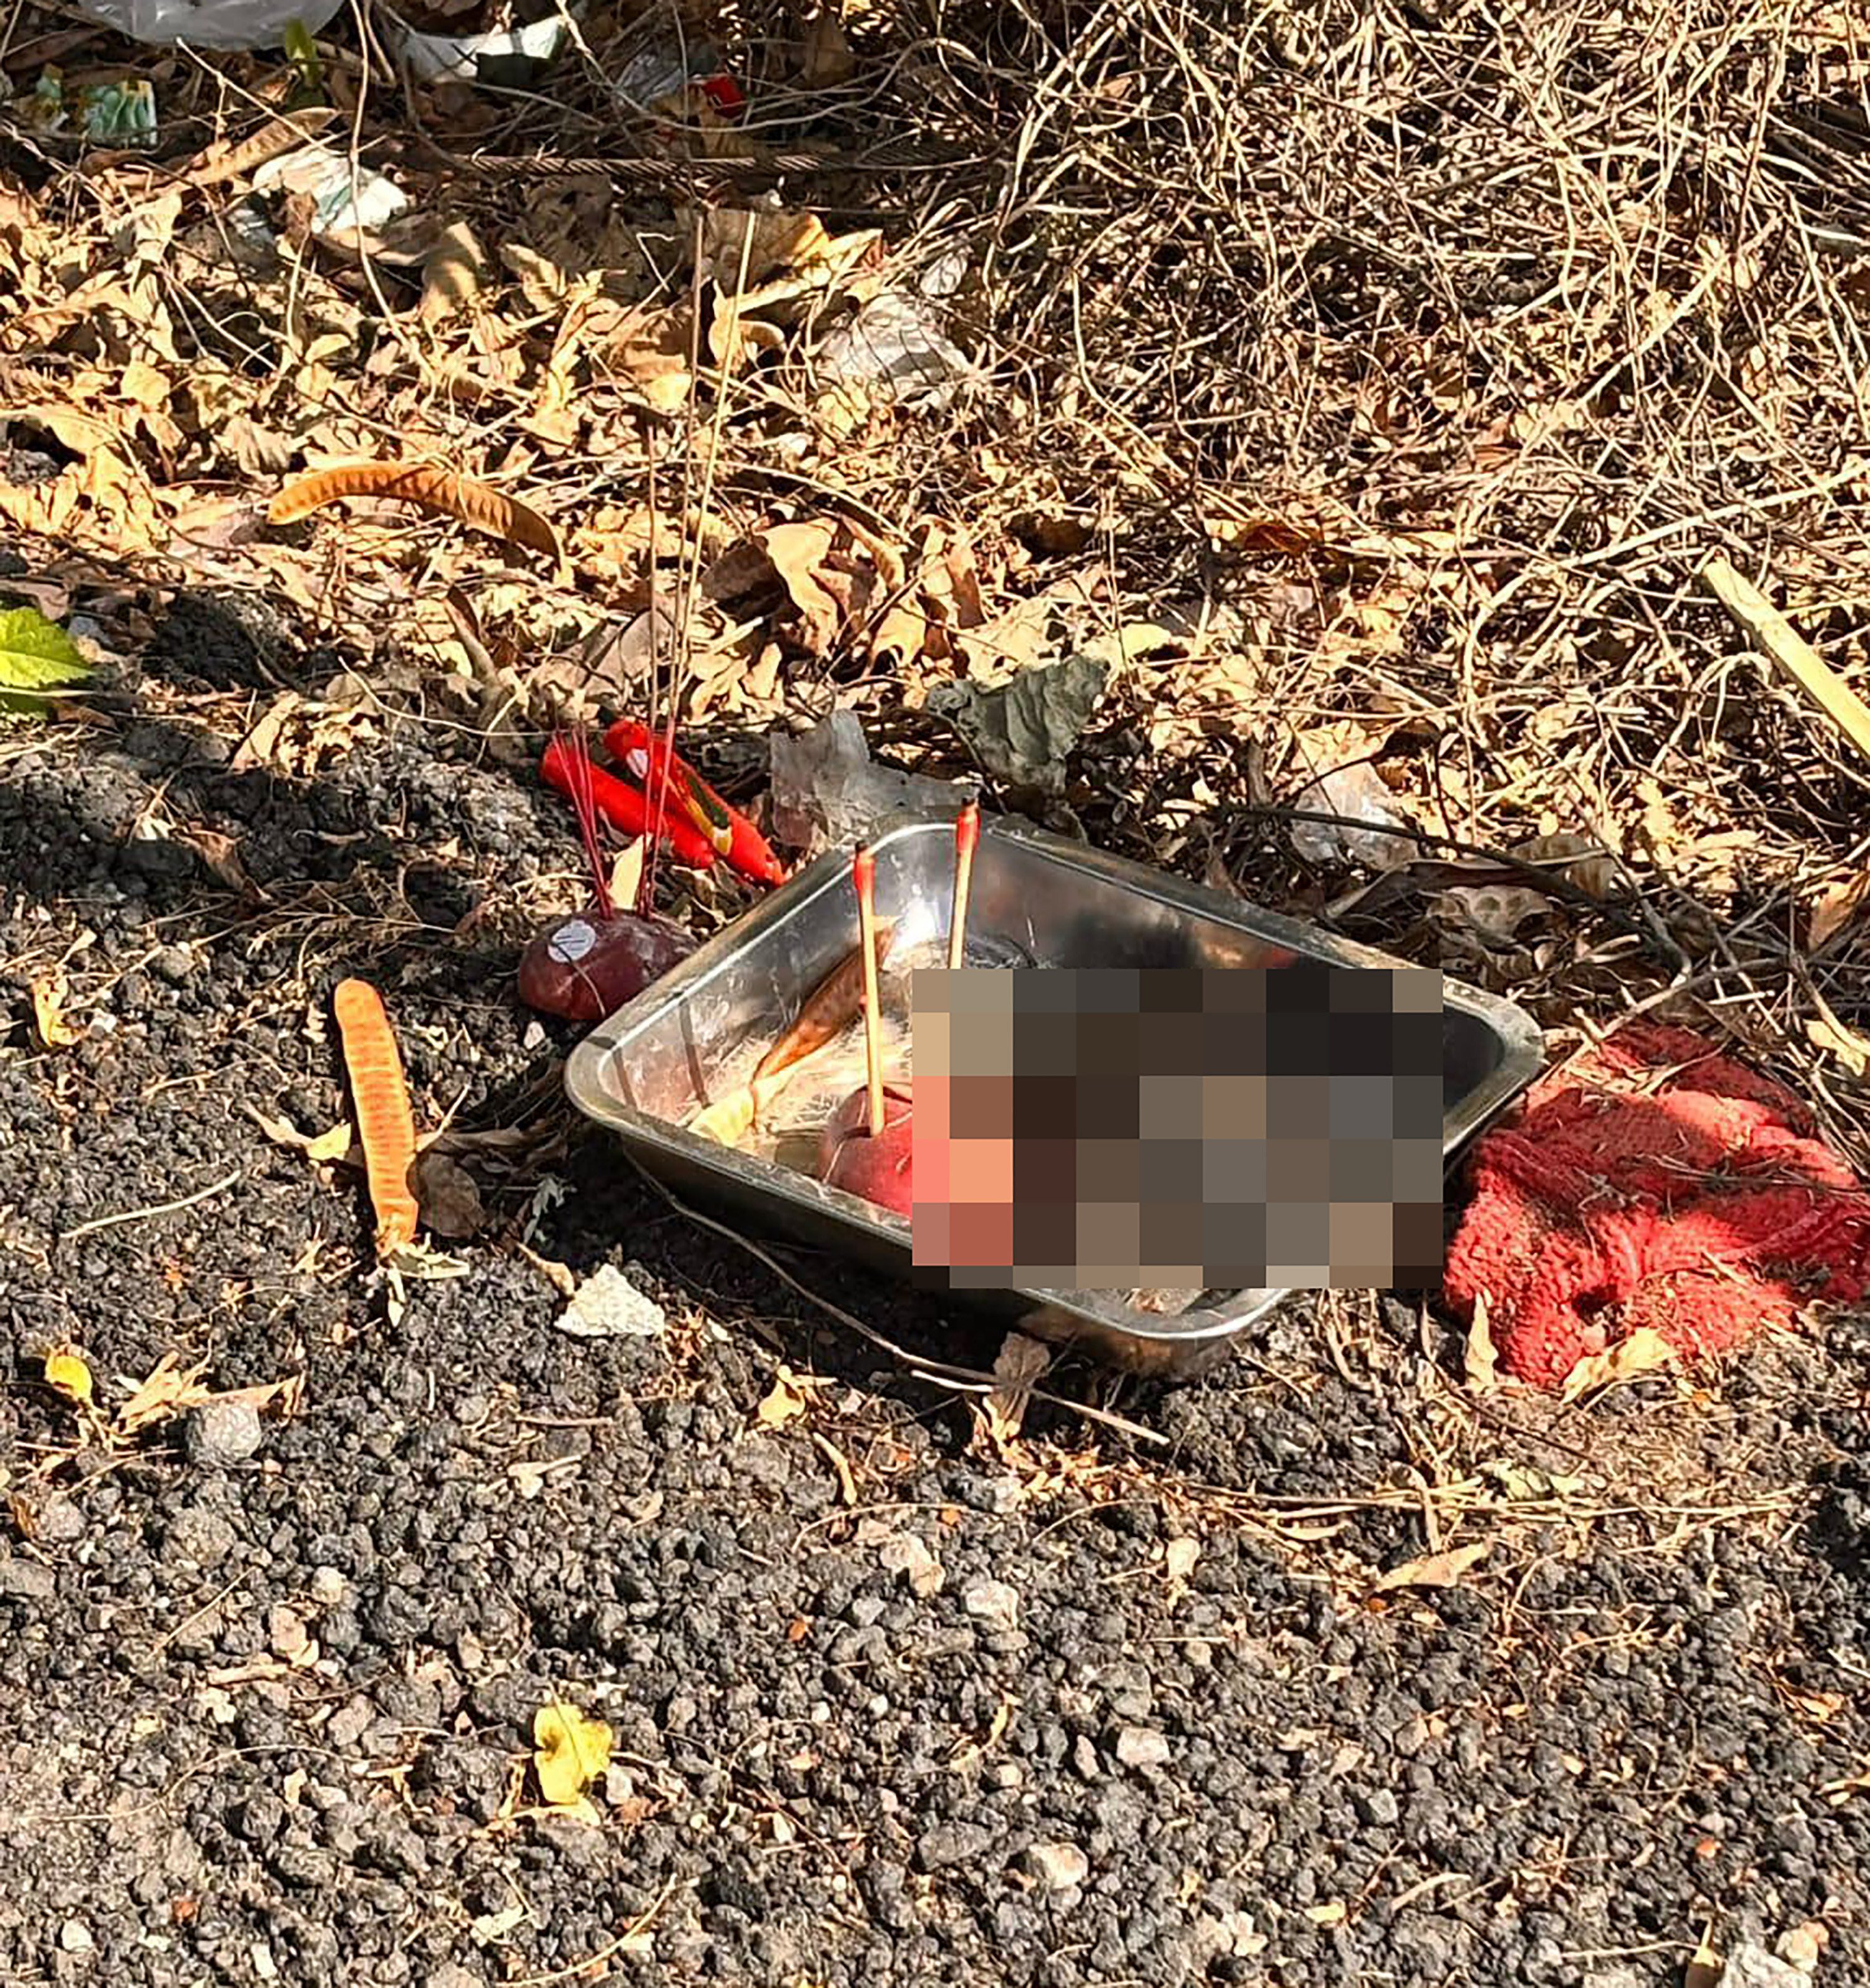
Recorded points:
(586, 967)
(621, 804)
(690, 798)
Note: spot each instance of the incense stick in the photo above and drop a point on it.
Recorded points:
(967, 833)
(863, 875)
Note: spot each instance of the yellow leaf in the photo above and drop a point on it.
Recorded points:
(650, 350)
(1644, 1352)
(728, 1119)
(49, 993)
(626, 874)
(331, 1145)
(570, 1751)
(67, 1374)
(782, 1403)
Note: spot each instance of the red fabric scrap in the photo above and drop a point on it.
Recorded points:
(1653, 1182)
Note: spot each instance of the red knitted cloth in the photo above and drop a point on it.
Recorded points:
(1653, 1182)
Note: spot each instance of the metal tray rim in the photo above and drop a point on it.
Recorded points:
(1520, 1038)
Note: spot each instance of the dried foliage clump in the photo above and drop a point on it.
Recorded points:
(1445, 346)
(1368, 387)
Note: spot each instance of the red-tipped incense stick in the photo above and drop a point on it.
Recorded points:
(863, 875)
(579, 789)
(967, 835)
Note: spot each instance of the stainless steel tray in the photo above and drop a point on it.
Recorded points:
(1037, 896)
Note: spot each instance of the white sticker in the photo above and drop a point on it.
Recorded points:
(571, 942)
(638, 762)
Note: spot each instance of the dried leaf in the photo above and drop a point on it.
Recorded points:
(221, 854)
(826, 60)
(1178, 1559)
(66, 1374)
(1134, 640)
(1435, 1569)
(1643, 1351)
(649, 352)
(794, 246)
(337, 1144)
(752, 336)
(783, 1404)
(996, 650)
(1827, 1032)
(451, 274)
(1590, 867)
(170, 1390)
(1835, 907)
(50, 992)
(385, 1118)
(626, 872)
(257, 748)
(450, 1201)
(797, 553)
(1480, 1358)
(167, 1392)
(1232, 527)
(428, 487)
(1024, 733)
(1021, 1362)
(570, 1752)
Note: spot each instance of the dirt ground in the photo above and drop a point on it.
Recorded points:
(1364, 399)
(889, 1705)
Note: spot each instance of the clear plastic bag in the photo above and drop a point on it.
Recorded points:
(228, 25)
(1356, 791)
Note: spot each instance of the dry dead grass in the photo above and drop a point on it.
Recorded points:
(1403, 364)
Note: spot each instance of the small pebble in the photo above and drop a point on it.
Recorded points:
(608, 1306)
(992, 1602)
(26, 1581)
(327, 1589)
(1058, 1866)
(59, 1522)
(222, 1433)
(75, 1937)
(287, 1635)
(1141, 1747)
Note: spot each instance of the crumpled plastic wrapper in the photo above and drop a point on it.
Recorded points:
(828, 793)
(228, 25)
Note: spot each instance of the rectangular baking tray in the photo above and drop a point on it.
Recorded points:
(658, 1058)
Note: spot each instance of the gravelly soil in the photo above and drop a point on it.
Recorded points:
(1052, 1746)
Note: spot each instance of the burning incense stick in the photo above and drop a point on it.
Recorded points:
(863, 875)
(967, 833)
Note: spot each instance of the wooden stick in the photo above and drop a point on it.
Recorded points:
(967, 835)
(863, 875)
(1789, 649)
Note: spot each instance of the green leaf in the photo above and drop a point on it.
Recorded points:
(36, 654)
